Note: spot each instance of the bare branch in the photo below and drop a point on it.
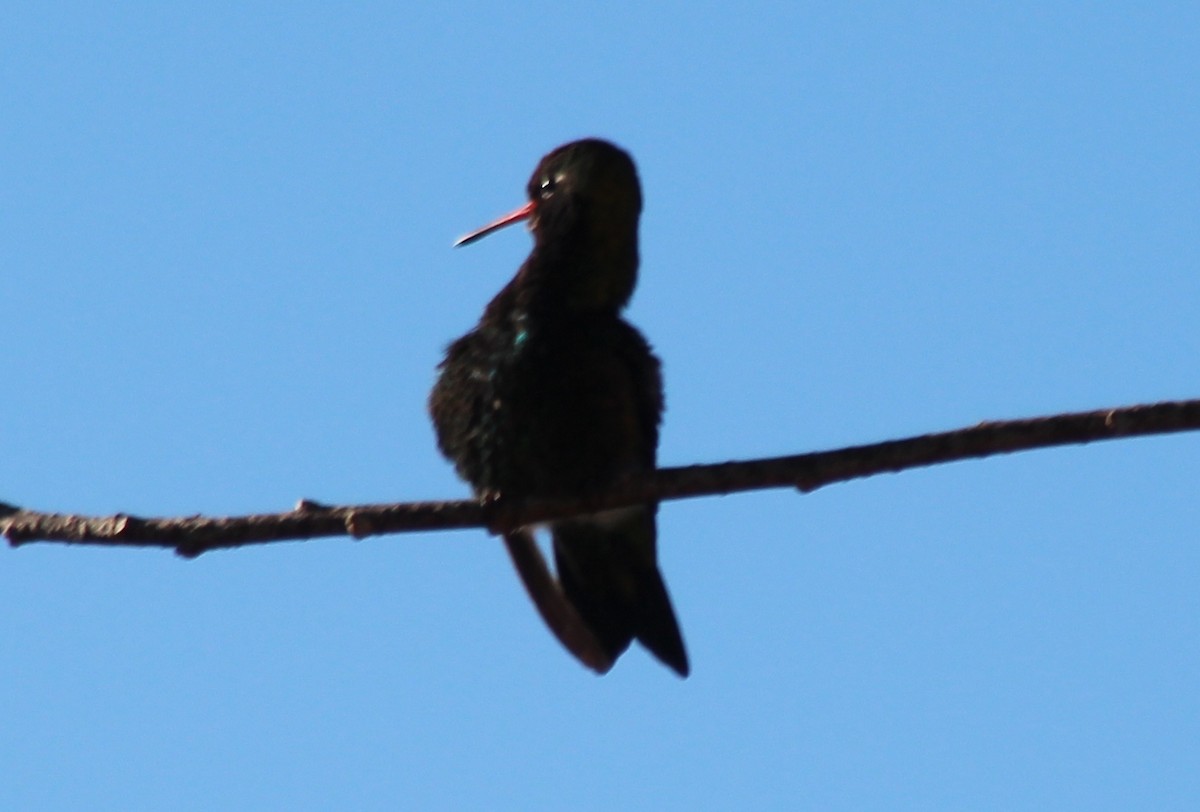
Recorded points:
(193, 535)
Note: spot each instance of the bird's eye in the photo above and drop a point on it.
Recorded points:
(548, 184)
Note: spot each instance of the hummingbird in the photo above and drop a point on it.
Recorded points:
(553, 395)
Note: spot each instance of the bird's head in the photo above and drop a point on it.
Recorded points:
(583, 210)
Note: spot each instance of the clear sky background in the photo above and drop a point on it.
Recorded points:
(227, 278)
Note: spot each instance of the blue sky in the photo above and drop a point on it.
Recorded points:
(225, 249)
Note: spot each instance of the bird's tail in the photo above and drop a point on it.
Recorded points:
(607, 566)
(559, 614)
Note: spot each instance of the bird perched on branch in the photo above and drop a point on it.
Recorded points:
(554, 396)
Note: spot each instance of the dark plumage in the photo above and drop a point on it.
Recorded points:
(553, 395)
